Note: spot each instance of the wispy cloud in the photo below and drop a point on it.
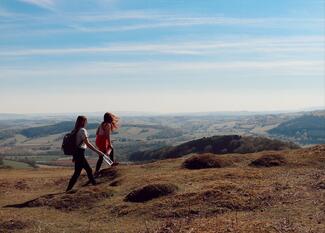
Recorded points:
(47, 4)
(174, 22)
(278, 45)
(140, 20)
(156, 70)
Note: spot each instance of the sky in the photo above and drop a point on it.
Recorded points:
(161, 56)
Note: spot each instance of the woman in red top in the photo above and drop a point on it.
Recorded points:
(103, 138)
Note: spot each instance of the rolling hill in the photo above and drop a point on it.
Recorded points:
(216, 145)
(61, 127)
(40, 137)
(306, 129)
(249, 193)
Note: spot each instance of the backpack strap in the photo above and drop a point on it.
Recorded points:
(75, 132)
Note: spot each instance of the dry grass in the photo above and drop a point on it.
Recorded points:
(236, 198)
(67, 201)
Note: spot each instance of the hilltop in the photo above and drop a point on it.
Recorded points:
(270, 191)
(216, 145)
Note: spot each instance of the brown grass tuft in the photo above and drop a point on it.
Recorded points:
(150, 192)
(205, 161)
(269, 160)
(109, 173)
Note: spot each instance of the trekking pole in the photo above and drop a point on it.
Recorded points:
(108, 160)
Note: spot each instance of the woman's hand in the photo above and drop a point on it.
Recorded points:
(93, 148)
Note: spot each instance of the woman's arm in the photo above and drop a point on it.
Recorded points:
(93, 148)
(109, 140)
(108, 134)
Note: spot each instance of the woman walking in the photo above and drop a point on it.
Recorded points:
(79, 159)
(103, 138)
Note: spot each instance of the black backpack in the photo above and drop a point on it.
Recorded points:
(69, 145)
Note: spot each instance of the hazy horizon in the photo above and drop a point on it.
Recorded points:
(143, 113)
(161, 56)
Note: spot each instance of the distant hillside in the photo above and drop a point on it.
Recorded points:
(58, 128)
(215, 145)
(307, 129)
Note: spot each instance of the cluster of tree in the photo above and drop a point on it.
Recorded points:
(7, 134)
(28, 161)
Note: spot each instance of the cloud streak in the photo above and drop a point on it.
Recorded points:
(46, 4)
(279, 45)
(152, 70)
(141, 20)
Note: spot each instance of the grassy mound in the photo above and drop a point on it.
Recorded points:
(226, 144)
(204, 161)
(109, 173)
(213, 201)
(150, 192)
(68, 201)
(269, 160)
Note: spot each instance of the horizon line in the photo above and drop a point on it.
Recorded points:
(138, 113)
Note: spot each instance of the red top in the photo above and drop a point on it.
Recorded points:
(103, 141)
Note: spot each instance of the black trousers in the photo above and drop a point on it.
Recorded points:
(80, 163)
(100, 160)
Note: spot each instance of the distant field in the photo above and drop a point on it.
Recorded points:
(40, 139)
(15, 164)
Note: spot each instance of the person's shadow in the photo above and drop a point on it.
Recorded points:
(35, 202)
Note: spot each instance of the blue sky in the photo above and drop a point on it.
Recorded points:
(161, 55)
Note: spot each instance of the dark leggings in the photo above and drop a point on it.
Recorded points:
(80, 162)
(100, 160)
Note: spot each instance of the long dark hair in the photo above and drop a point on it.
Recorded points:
(111, 119)
(80, 122)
